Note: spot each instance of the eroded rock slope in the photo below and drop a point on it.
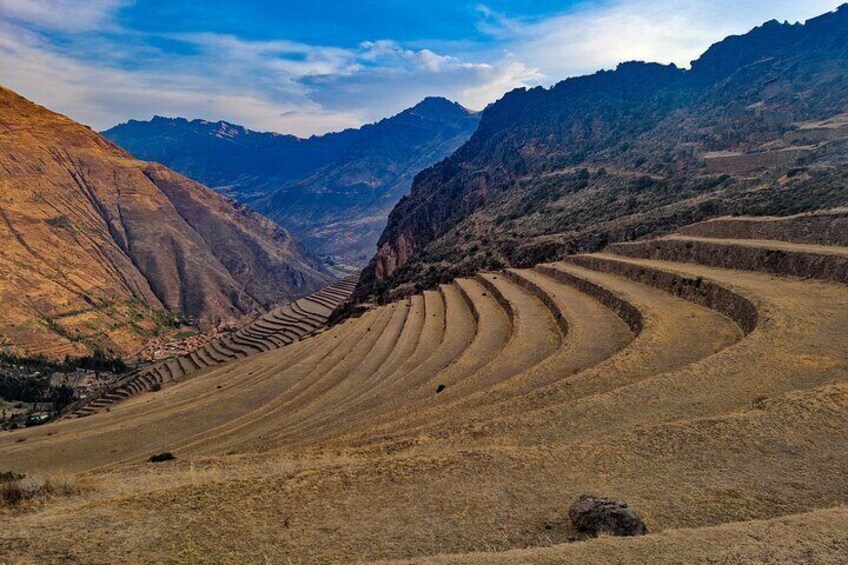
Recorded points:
(101, 250)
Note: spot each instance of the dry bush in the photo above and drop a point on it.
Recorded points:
(22, 489)
(11, 493)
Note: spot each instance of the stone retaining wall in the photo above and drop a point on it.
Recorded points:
(629, 313)
(698, 290)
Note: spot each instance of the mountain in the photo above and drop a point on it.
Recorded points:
(334, 191)
(101, 250)
(758, 125)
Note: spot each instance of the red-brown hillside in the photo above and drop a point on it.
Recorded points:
(97, 245)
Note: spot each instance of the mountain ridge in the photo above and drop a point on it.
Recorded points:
(103, 249)
(624, 153)
(333, 191)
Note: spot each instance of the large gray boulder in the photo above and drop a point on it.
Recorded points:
(595, 516)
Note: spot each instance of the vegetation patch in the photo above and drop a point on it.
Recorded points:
(17, 490)
(33, 388)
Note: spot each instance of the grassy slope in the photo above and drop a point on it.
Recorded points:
(339, 448)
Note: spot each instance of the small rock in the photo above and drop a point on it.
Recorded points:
(162, 457)
(595, 516)
(440, 388)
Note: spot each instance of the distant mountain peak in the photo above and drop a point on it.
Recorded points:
(333, 190)
(438, 104)
(163, 120)
(228, 130)
(628, 66)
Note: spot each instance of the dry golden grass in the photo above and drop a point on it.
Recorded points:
(731, 444)
(23, 492)
(813, 538)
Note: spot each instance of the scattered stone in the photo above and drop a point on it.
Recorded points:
(162, 457)
(595, 516)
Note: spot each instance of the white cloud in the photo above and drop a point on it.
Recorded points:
(102, 96)
(268, 85)
(496, 82)
(303, 89)
(286, 59)
(390, 53)
(64, 15)
(397, 78)
(667, 31)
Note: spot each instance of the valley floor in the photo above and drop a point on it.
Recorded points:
(460, 424)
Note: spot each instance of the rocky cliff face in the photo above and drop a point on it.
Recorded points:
(758, 125)
(101, 250)
(334, 191)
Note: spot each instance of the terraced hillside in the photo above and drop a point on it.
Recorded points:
(698, 383)
(281, 326)
(757, 125)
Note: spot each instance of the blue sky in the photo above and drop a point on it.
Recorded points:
(306, 67)
(341, 24)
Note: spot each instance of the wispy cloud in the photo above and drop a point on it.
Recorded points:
(600, 35)
(103, 95)
(77, 58)
(401, 77)
(63, 15)
(271, 85)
